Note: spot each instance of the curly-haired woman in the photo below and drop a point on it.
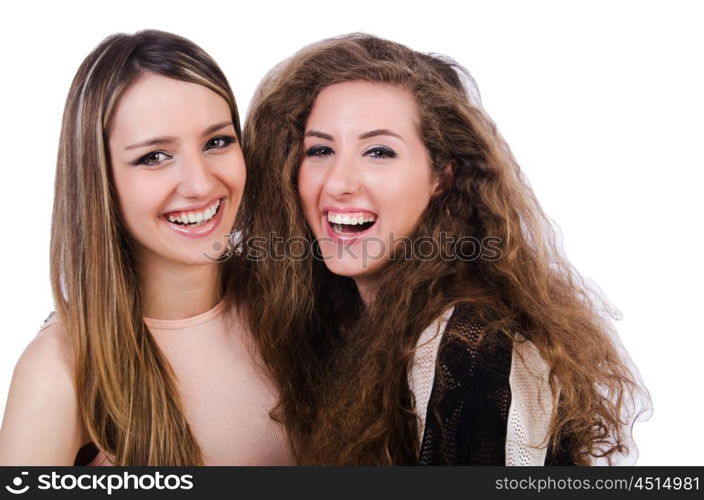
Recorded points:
(435, 320)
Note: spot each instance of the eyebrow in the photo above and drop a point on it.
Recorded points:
(321, 135)
(366, 135)
(158, 141)
(380, 131)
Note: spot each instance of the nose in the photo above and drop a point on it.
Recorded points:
(196, 178)
(344, 178)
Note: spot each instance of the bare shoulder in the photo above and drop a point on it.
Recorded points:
(42, 422)
(49, 356)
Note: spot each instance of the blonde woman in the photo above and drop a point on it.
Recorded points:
(145, 361)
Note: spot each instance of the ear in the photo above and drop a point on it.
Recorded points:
(445, 179)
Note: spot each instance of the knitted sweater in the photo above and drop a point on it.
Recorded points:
(479, 402)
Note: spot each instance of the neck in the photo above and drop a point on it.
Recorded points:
(172, 290)
(365, 287)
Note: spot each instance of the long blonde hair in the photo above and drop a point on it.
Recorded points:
(128, 400)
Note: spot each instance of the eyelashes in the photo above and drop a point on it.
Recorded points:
(155, 158)
(151, 159)
(380, 152)
(319, 151)
(219, 142)
(375, 152)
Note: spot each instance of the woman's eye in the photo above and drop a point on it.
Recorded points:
(319, 151)
(380, 152)
(151, 159)
(219, 142)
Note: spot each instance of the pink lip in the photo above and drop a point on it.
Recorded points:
(347, 210)
(347, 239)
(194, 208)
(200, 231)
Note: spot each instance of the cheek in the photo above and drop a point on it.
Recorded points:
(128, 194)
(235, 177)
(137, 217)
(416, 204)
(405, 202)
(138, 207)
(233, 170)
(139, 195)
(308, 191)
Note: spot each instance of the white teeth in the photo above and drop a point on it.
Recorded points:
(195, 218)
(336, 218)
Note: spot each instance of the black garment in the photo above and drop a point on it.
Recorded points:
(467, 416)
(86, 454)
(467, 413)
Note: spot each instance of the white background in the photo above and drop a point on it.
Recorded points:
(601, 103)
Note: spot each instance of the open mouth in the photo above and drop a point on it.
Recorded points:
(350, 222)
(195, 218)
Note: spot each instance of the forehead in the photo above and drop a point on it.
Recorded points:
(364, 104)
(156, 104)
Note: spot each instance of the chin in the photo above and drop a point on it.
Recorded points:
(348, 268)
(199, 258)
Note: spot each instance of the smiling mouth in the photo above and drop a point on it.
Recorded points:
(194, 218)
(350, 223)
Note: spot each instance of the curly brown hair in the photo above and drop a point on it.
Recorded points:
(342, 368)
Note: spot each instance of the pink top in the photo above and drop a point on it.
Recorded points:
(225, 393)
